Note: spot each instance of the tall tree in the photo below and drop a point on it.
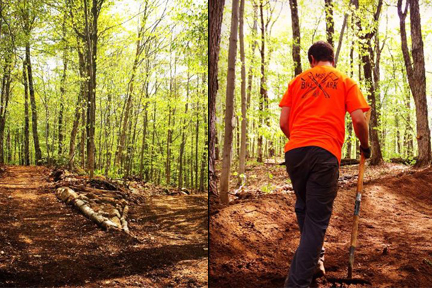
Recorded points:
(26, 118)
(296, 37)
(5, 95)
(62, 89)
(250, 72)
(91, 16)
(342, 33)
(416, 76)
(229, 104)
(29, 18)
(215, 14)
(328, 8)
(243, 94)
(366, 50)
(263, 87)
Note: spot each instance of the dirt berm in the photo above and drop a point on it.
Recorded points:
(253, 240)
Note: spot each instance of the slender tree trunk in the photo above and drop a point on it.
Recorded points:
(203, 161)
(263, 89)
(196, 147)
(123, 131)
(296, 37)
(26, 118)
(329, 21)
(78, 110)
(5, 93)
(47, 135)
(9, 147)
(144, 136)
(83, 134)
(183, 141)
(107, 136)
(367, 56)
(243, 96)
(38, 152)
(409, 142)
(341, 34)
(349, 121)
(229, 104)
(215, 14)
(62, 92)
(251, 74)
(416, 77)
(91, 33)
(153, 142)
(398, 137)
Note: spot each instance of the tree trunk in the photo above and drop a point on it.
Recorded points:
(250, 73)
(416, 77)
(123, 131)
(5, 93)
(183, 141)
(341, 34)
(62, 92)
(153, 142)
(263, 89)
(373, 124)
(242, 155)
(408, 139)
(349, 121)
(196, 147)
(328, 6)
(9, 147)
(26, 118)
(215, 14)
(38, 152)
(91, 33)
(145, 124)
(229, 104)
(367, 56)
(296, 37)
(79, 106)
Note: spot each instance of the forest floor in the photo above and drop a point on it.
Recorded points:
(254, 238)
(44, 242)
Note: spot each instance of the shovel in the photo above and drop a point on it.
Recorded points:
(354, 231)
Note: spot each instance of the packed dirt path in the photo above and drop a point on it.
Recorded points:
(44, 242)
(253, 240)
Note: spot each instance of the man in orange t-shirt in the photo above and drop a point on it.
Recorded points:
(313, 119)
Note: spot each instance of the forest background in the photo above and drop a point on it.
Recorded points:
(114, 88)
(382, 45)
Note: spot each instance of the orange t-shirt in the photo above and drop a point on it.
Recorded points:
(319, 98)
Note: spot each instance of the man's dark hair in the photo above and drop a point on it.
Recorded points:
(321, 51)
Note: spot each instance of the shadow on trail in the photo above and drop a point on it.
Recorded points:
(80, 269)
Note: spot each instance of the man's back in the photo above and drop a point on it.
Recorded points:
(319, 99)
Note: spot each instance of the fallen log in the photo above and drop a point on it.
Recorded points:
(69, 196)
(400, 160)
(347, 161)
(103, 185)
(123, 219)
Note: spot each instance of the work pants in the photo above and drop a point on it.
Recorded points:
(314, 175)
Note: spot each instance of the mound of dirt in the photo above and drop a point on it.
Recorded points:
(415, 188)
(253, 240)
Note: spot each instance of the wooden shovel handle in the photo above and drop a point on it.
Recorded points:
(356, 216)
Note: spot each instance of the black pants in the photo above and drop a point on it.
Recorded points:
(314, 174)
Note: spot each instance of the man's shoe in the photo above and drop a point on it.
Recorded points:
(320, 270)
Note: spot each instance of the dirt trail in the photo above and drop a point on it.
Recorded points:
(43, 242)
(254, 240)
